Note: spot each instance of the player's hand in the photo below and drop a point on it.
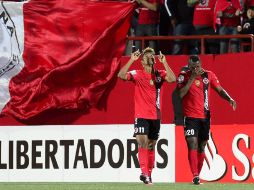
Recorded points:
(233, 103)
(196, 72)
(135, 55)
(162, 58)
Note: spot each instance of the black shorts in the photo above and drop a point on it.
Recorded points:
(149, 127)
(196, 127)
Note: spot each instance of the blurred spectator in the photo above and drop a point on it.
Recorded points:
(165, 29)
(204, 21)
(247, 26)
(130, 46)
(182, 20)
(229, 13)
(148, 21)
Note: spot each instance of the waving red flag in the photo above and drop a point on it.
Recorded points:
(71, 54)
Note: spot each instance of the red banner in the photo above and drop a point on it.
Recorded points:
(229, 155)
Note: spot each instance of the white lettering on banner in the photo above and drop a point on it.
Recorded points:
(90, 153)
(241, 157)
(99, 153)
(214, 166)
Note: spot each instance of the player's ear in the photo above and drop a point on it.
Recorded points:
(143, 60)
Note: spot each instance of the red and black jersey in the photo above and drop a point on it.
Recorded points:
(147, 93)
(204, 13)
(197, 99)
(147, 16)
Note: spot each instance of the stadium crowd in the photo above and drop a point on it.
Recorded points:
(192, 17)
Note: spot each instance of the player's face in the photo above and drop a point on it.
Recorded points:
(195, 66)
(148, 59)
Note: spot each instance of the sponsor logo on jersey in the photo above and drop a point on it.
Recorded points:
(197, 82)
(180, 78)
(205, 80)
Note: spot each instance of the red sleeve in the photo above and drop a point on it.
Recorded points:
(132, 75)
(214, 80)
(163, 74)
(182, 80)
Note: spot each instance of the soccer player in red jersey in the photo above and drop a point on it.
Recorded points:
(147, 99)
(194, 89)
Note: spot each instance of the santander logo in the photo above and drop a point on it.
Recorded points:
(214, 166)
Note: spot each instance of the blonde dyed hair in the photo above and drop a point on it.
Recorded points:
(148, 50)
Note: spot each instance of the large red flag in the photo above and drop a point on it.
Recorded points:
(71, 54)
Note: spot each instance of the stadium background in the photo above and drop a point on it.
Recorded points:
(52, 145)
(232, 132)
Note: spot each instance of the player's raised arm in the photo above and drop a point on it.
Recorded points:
(170, 77)
(123, 71)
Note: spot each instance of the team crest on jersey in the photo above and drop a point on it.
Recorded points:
(197, 82)
(205, 81)
(151, 82)
(203, 3)
(9, 46)
(158, 79)
(180, 78)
